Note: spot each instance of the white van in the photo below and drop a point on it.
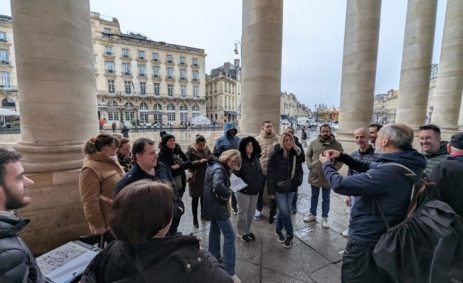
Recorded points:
(306, 122)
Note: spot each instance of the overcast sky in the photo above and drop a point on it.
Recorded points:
(313, 34)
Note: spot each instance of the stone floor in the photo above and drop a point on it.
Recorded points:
(316, 254)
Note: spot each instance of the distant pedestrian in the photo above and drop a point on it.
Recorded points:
(101, 122)
(284, 175)
(252, 175)
(125, 131)
(317, 180)
(113, 126)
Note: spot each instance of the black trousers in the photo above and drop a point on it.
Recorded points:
(175, 222)
(358, 265)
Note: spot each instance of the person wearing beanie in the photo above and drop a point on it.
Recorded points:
(448, 175)
(171, 155)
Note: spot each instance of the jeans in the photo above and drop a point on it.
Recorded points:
(226, 228)
(284, 201)
(294, 202)
(325, 202)
(246, 209)
(359, 266)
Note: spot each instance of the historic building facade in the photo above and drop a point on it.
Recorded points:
(291, 108)
(8, 81)
(223, 93)
(145, 80)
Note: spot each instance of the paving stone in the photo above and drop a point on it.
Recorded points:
(325, 241)
(271, 276)
(328, 274)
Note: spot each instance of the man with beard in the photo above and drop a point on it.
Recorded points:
(373, 131)
(325, 141)
(432, 147)
(380, 184)
(147, 167)
(266, 139)
(17, 264)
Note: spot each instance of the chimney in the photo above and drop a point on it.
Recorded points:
(226, 67)
(237, 63)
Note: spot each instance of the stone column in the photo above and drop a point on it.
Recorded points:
(358, 66)
(261, 60)
(450, 76)
(416, 62)
(56, 79)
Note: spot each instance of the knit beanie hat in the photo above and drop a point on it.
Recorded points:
(165, 138)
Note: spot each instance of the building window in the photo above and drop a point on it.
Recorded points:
(155, 71)
(170, 73)
(195, 110)
(110, 116)
(157, 89)
(109, 66)
(170, 89)
(155, 56)
(129, 116)
(4, 57)
(183, 74)
(183, 114)
(108, 50)
(107, 31)
(195, 91)
(128, 87)
(182, 60)
(158, 116)
(142, 70)
(3, 36)
(170, 59)
(111, 87)
(171, 113)
(5, 79)
(125, 52)
(126, 68)
(195, 61)
(142, 87)
(183, 91)
(195, 75)
(143, 115)
(141, 54)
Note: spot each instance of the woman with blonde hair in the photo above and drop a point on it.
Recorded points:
(98, 177)
(284, 177)
(216, 207)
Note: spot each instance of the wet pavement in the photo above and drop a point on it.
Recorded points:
(316, 254)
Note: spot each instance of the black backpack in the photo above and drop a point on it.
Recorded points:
(427, 246)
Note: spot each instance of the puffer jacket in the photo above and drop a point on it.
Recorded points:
(280, 168)
(266, 143)
(316, 147)
(97, 180)
(165, 260)
(226, 141)
(435, 158)
(196, 185)
(216, 193)
(17, 264)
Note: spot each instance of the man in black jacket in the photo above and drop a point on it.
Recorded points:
(17, 264)
(448, 175)
(147, 167)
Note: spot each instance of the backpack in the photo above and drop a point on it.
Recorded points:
(427, 246)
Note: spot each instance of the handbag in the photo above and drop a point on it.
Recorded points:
(285, 186)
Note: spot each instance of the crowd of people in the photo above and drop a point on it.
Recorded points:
(136, 193)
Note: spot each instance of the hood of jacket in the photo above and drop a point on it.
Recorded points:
(410, 158)
(442, 150)
(227, 127)
(11, 226)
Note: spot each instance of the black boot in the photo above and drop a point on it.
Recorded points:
(195, 222)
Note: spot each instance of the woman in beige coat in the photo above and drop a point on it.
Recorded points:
(98, 177)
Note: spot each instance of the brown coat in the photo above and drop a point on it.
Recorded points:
(98, 176)
(266, 143)
(196, 183)
(316, 147)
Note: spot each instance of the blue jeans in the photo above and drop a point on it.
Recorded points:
(325, 202)
(284, 201)
(226, 228)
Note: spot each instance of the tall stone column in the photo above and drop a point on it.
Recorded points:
(261, 72)
(416, 62)
(358, 66)
(450, 76)
(56, 79)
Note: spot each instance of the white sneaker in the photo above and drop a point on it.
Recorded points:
(310, 218)
(236, 279)
(345, 233)
(325, 223)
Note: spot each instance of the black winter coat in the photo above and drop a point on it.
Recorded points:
(17, 264)
(280, 168)
(171, 259)
(216, 192)
(251, 173)
(170, 157)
